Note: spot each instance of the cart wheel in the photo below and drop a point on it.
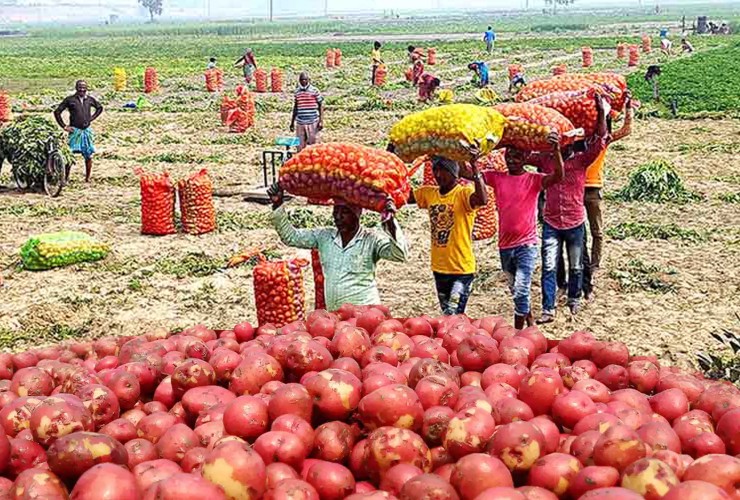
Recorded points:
(23, 181)
(55, 174)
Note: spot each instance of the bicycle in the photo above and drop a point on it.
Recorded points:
(53, 178)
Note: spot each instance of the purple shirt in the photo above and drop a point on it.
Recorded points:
(564, 207)
(516, 202)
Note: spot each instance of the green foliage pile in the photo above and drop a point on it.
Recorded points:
(23, 143)
(656, 181)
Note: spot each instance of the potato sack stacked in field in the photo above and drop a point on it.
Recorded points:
(64, 248)
(528, 125)
(360, 175)
(438, 131)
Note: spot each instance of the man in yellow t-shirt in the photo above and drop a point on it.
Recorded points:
(377, 60)
(452, 208)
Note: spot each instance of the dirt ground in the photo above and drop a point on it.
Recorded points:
(148, 282)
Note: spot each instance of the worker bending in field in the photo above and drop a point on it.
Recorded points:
(377, 60)
(517, 192)
(81, 137)
(480, 73)
(349, 253)
(428, 85)
(308, 110)
(248, 64)
(452, 209)
(686, 46)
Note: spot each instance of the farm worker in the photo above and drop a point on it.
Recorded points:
(517, 81)
(248, 64)
(376, 60)
(416, 72)
(414, 54)
(666, 46)
(663, 32)
(428, 85)
(593, 197)
(480, 70)
(489, 37)
(517, 192)
(349, 252)
(452, 209)
(564, 215)
(686, 46)
(211, 63)
(307, 118)
(81, 137)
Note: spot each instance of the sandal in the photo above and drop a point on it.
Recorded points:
(546, 318)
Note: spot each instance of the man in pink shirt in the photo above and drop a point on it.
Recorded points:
(516, 201)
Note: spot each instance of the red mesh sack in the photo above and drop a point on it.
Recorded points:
(237, 121)
(219, 78)
(359, 174)
(276, 80)
(616, 84)
(634, 58)
(587, 57)
(579, 106)
(432, 56)
(211, 80)
(646, 44)
(227, 104)
(528, 125)
(196, 203)
(330, 58)
(560, 69)
(409, 74)
(381, 74)
(621, 51)
(157, 203)
(260, 80)
(515, 69)
(337, 57)
(5, 114)
(278, 292)
(151, 82)
(318, 280)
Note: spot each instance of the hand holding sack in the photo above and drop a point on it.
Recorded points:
(278, 292)
(196, 203)
(439, 130)
(361, 175)
(528, 125)
(157, 203)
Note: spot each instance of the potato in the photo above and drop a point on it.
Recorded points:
(58, 416)
(38, 484)
(237, 469)
(107, 481)
(71, 455)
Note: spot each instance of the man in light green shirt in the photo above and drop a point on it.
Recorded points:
(349, 252)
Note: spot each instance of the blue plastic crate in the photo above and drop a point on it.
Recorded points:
(288, 142)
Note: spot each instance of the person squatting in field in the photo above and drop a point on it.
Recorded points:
(308, 112)
(349, 252)
(517, 192)
(428, 85)
(248, 64)
(480, 73)
(452, 208)
(81, 138)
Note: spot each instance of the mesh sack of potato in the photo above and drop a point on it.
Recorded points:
(361, 175)
(440, 130)
(196, 203)
(157, 203)
(579, 106)
(64, 248)
(528, 125)
(151, 81)
(612, 82)
(278, 291)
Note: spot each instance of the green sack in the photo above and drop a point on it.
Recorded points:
(143, 103)
(45, 251)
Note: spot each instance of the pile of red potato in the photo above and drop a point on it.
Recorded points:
(361, 406)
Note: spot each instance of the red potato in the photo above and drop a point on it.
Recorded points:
(690, 428)
(609, 353)
(334, 441)
(615, 377)
(348, 365)
(522, 343)
(121, 429)
(6, 366)
(295, 425)
(292, 489)
(176, 441)
(475, 473)
(566, 440)
(578, 346)
(153, 426)
(303, 357)
(280, 446)
(568, 409)
(194, 458)
(212, 414)
(23, 455)
(618, 447)
(445, 471)
(31, 381)
(25, 359)
(659, 436)
(357, 460)
(554, 472)
(649, 477)
(246, 417)
(126, 387)
(722, 471)
(706, 443)
(540, 389)
(101, 402)
(370, 320)
(513, 356)
(145, 372)
(331, 481)
(243, 332)
(72, 454)
(336, 393)
(643, 375)
(468, 432)
(224, 362)
(509, 410)
(518, 445)
(418, 326)
(38, 483)
(254, 372)
(696, 490)
(500, 390)
(427, 487)
(154, 406)
(501, 372)
(277, 472)
(614, 493)
(728, 429)
(688, 384)
(501, 494)
(395, 477)
(629, 416)
(549, 431)
(591, 478)
(476, 353)
(470, 378)
(15, 415)
(107, 481)
(426, 367)
(389, 446)
(209, 433)
(440, 457)
(321, 324)
(587, 365)
(430, 348)
(435, 422)
(536, 493)
(190, 374)
(172, 360)
(534, 335)
(393, 405)
(140, 451)
(573, 374)
(671, 404)
(58, 416)
(582, 447)
(597, 391)
(237, 469)
(437, 390)
(633, 399)
(397, 341)
(379, 354)
(182, 486)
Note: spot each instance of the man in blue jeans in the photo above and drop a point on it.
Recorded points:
(565, 216)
